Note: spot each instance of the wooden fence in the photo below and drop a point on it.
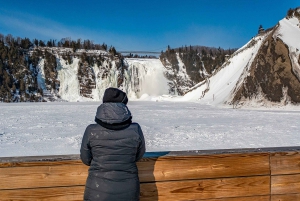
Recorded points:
(269, 174)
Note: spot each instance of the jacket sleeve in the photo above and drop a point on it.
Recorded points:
(85, 150)
(142, 147)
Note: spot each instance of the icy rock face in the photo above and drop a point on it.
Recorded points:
(87, 81)
(80, 81)
(179, 82)
(41, 75)
(67, 75)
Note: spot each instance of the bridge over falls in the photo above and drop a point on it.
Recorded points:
(139, 52)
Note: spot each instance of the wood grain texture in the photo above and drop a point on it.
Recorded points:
(64, 173)
(206, 189)
(40, 163)
(198, 167)
(74, 193)
(252, 198)
(285, 184)
(216, 177)
(43, 176)
(287, 197)
(285, 163)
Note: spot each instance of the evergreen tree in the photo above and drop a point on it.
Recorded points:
(25, 43)
(1, 70)
(36, 42)
(290, 12)
(104, 46)
(41, 43)
(1, 37)
(49, 43)
(112, 51)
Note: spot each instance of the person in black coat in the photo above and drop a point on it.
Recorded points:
(111, 148)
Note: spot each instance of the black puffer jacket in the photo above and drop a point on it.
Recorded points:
(111, 148)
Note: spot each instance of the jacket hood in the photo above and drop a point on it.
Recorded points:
(113, 113)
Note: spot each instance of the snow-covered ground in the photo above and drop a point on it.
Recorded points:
(31, 129)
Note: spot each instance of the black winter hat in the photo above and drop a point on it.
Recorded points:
(114, 95)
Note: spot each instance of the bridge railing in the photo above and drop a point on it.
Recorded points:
(213, 175)
(139, 52)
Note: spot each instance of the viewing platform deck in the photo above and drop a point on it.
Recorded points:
(267, 174)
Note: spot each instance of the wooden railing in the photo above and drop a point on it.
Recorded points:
(215, 175)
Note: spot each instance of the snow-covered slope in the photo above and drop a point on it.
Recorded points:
(217, 89)
(264, 72)
(289, 32)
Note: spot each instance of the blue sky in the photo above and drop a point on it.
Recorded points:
(143, 25)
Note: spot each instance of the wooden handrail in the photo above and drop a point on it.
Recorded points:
(212, 175)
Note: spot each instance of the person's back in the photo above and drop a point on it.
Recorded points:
(111, 148)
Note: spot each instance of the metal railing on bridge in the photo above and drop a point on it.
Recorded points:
(139, 52)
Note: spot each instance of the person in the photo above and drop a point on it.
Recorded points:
(111, 148)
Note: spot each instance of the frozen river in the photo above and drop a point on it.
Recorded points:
(30, 129)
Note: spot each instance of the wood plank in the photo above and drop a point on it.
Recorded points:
(74, 193)
(40, 163)
(198, 167)
(285, 184)
(285, 163)
(287, 197)
(206, 189)
(166, 168)
(43, 176)
(24, 161)
(252, 198)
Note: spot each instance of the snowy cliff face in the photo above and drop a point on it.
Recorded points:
(265, 72)
(187, 66)
(79, 81)
(180, 82)
(83, 82)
